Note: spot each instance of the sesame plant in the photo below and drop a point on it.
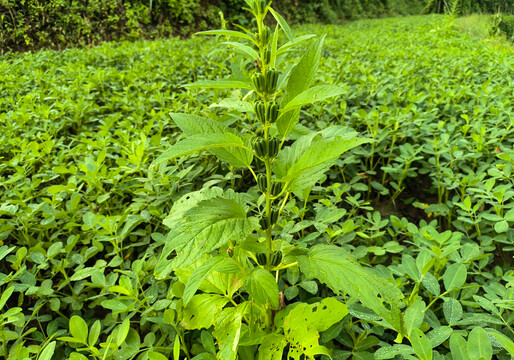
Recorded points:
(224, 248)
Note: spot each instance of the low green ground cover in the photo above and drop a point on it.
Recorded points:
(427, 205)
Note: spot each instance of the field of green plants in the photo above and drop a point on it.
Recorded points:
(359, 206)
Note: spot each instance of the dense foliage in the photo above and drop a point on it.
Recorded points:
(33, 24)
(422, 212)
(464, 7)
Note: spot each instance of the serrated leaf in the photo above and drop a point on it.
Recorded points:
(334, 267)
(202, 311)
(198, 143)
(200, 274)
(195, 125)
(229, 33)
(299, 81)
(262, 287)
(205, 227)
(227, 332)
(219, 84)
(311, 96)
(272, 347)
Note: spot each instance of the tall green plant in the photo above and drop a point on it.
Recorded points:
(225, 244)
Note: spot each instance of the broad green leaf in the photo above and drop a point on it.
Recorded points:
(229, 33)
(195, 125)
(414, 315)
(283, 24)
(200, 274)
(439, 335)
(205, 227)
(94, 333)
(208, 342)
(122, 331)
(501, 226)
(299, 81)
(389, 352)
(219, 84)
(176, 348)
(411, 268)
(244, 50)
(236, 104)
(454, 276)
(78, 328)
(4, 251)
(262, 287)
(479, 345)
(48, 351)
(311, 96)
(5, 296)
(272, 347)
(197, 143)
(507, 343)
(202, 311)
(83, 273)
(296, 41)
(305, 162)
(431, 284)
(458, 347)
(77, 356)
(227, 332)
(421, 345)
(334, 267)
(154, 355)
(452, 310)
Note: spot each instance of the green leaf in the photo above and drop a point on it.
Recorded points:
(83, 273)
(208, 342)
(507, 343)
(455, 276)
(5, 296)
(421, 345)
(197, 143)
(334, 267)
(501, 226)
(452, 310)
(78, 328)
(48, 351)
(176, 348)
(227, 332)
(229, 33)
(236, 104)
(202, 311)
(220, 84)
(439, 335)
(479, 345)
(203, 228)
(195, 125)
(458, 347)
(389, 352)
(299, 81)
(154, 355)
(283, 24)
(272, 347)
(311, 96)
(77, 356)
(4, 251)
(304, 162)
(431, 284)
(244, 50)
(414, 315)
(411, 268)
(200, 274)
(296, 41)
(94, 333)
(262, 287)
(123, 331)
